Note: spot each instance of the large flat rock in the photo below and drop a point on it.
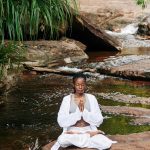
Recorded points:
(114, 15)
(135, 141)
(130, 111)
(131, 67)
(119, 97)
(53, 53)
(126, 6)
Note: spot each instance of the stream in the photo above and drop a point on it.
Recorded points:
(30, 110)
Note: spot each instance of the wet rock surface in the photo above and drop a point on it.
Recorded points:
(114, 16)
(141, 121)
(131, 111)
(132, 66)
(119, 97)
(142, 115)
(144, 26)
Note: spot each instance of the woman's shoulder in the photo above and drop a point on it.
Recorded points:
(67, 96)
(90, 95)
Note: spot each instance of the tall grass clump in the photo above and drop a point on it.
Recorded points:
(18, 17)
(23, 19)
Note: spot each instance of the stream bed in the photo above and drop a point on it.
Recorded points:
(30, 109)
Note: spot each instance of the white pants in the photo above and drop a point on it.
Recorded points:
(83, 139)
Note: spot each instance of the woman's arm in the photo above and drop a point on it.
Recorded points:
(65, 119)
(94, 116)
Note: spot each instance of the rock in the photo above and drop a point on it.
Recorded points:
(115, 13)
(8, 82)
(135, 141)
(131, 111)
(131, 67)
(97, 32)
(54, 53)
(119, 97)
(141, 113)
(141, 121)
(144, 26)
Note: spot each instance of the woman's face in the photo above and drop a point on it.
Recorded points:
(79, 85)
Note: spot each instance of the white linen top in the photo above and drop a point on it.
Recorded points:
(93, 117)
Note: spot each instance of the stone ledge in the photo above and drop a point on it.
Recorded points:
(135, 141)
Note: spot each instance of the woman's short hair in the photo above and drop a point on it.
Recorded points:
(79, 75)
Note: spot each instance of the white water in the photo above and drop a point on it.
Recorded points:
(66, 68)
(129, 29)
(127, 36)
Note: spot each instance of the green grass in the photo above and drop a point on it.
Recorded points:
(18, 17)
(121, 125)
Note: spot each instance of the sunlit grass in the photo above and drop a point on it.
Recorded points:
(121, 125)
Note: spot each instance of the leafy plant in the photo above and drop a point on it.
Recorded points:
(142, 3)
(22, 16)
(10, 53)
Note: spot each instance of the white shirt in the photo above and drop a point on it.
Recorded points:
(93, 117)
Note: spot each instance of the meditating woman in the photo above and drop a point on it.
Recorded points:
(79, 116)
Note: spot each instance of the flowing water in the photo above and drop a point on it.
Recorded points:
(31, 108)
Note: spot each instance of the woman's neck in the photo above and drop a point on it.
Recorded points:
(79, 95)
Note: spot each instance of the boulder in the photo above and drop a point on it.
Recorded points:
(131, 67)
(54, 53)
(144, 26)
(95, 31)
(135, 141)
(111, 15)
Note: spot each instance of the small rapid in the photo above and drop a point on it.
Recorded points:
(129, 38)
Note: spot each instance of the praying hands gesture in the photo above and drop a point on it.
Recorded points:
(81, 105)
